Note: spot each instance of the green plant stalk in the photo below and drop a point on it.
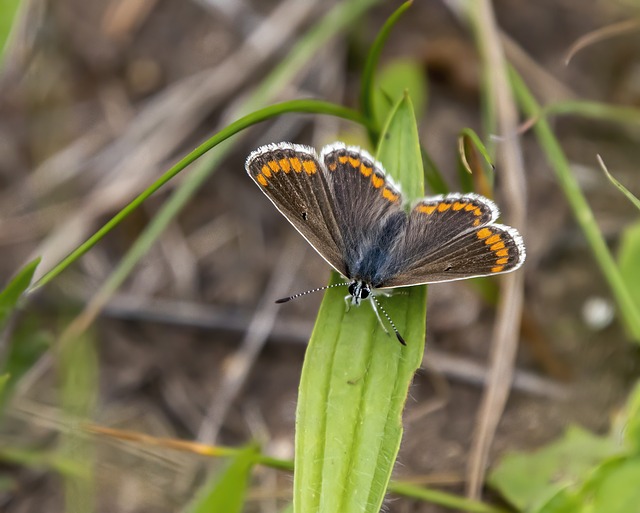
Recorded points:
(579, 205)
(307, 106)
(368, 74)
(443, 499)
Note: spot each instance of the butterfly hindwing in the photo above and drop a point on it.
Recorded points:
(295, 181)
(452, 238)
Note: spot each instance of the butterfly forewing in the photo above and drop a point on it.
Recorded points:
(294, 179)
(368, 207)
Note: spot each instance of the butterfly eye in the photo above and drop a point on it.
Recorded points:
(352, 288)
(364, 292)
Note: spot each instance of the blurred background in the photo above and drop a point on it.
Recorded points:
(99, 97)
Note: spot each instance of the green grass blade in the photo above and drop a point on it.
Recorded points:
(78, 372)
(226, 491)
(368, 74)
(471, 169)
(635, 201)
(594, 110)
(308, 106)
(355, 377)
(11, 294)
(581, 210)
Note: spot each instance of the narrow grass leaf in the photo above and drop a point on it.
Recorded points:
(226, 491)
(581, 209)
(629, 260)
(635, 201)
(474, 176)
(10, 295)
(355, 377)
(78, 374)
(367, 85)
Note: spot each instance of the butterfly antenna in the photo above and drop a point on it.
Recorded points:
(393, 326)
(299, 294)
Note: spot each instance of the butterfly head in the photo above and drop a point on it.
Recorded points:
(359, 290)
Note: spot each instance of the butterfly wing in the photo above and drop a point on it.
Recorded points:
(368, 208)
(295, 181)
(451, 238)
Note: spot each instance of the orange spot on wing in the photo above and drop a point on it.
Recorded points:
(458, 206)
(389, 194)
(426, 209)
(354, 162)
(476, 222)
(497, 268)
(366, 171)
(470, 207)
(493, 239)
(497, 246)
(296, 164)
(484, 233)
(502, 253)
(442, 207)
(285, 165)
(333, 166)
(377, 181)
(343, 159)
(274, 166)
(502, 261)
(309, 167)
(477, 211)
(266, 171)
(262, 180)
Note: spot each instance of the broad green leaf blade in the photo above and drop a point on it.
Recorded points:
(11, 293)
(355, 377)
(613, 488)
(523, 479)
(226, 491)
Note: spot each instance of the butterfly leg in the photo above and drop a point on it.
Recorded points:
(375, 309)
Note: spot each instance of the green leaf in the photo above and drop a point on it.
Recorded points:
(226, 491)
(614, 488)
(355, 377)
(11, 293)
(524, 479)
(395, 78)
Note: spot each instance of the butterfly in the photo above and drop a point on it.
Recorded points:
(344, 204)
